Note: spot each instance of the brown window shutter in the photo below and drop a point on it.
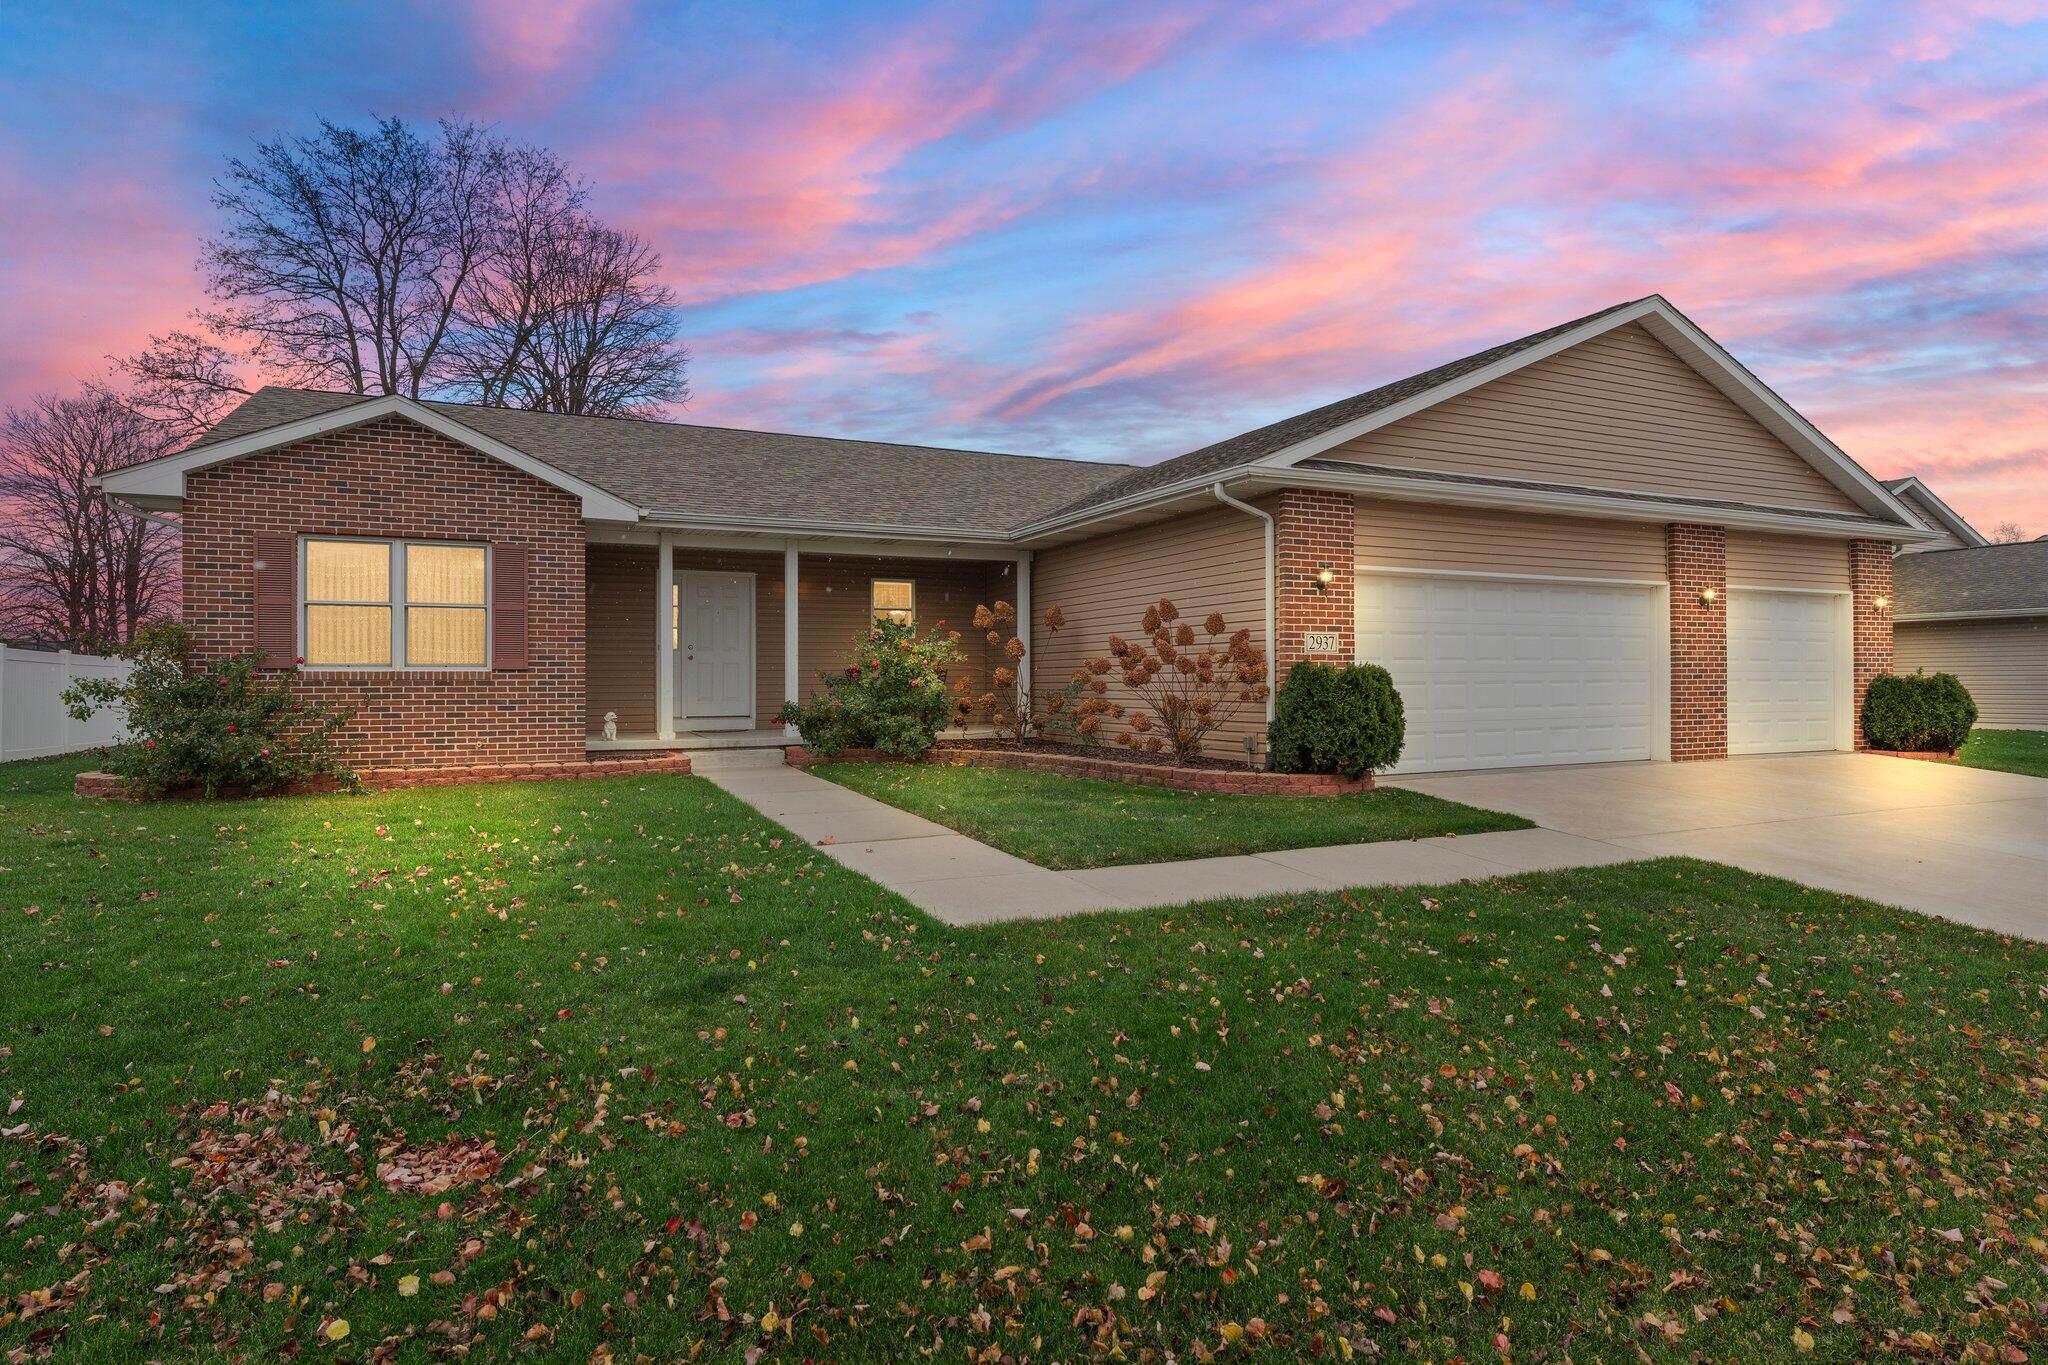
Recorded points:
(277, 599)
(508, 606)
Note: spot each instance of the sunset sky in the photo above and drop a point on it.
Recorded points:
(1124, 230)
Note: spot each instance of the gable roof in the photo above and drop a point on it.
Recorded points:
(1933, 510)
(1291, 441)
(672, 471)
(1984, 580)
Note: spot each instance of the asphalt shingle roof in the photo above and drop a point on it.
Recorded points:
(675, 468)
(1249, 446)
(1981, 578)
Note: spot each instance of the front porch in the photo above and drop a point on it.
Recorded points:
(695, 642)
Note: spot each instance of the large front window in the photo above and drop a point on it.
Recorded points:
(395, 603)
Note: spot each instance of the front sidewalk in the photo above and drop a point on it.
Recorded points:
(963, 881)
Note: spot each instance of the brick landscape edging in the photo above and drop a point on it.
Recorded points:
(1924, 755)
(1246, 783)
(113, 787)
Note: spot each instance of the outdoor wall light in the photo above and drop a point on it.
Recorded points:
(1882, 603)
(1709, 595)
(1325, 576)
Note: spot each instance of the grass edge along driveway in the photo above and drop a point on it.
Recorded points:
(1065, 822)
(2007, 751)
(697, 1091)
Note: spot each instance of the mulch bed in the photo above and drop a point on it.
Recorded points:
(1145, 770)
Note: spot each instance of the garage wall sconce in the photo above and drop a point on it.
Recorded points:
(1709, 595)
(1882, 603)
(1325, 576)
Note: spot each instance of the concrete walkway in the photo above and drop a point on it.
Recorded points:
(963, 881)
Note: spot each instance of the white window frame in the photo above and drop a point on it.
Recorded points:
(396, 604)
(875, 613)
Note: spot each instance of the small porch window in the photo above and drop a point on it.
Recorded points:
(894, 599)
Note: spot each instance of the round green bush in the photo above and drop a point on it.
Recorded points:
(1337, 720)
(1918, 712)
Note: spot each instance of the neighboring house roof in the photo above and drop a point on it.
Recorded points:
(1986, 580)
(724, 473)
(1932, 509)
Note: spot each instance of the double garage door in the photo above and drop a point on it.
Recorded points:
(1503, 672)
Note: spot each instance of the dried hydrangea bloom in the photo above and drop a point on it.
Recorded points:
(1054, 617)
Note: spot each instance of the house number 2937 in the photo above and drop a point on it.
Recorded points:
(1319, 642)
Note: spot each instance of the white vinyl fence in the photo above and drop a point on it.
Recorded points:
(33, 722)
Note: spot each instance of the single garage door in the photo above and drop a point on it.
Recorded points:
(1787, 692)
(1498, 673)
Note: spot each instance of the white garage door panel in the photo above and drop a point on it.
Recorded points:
(1501, 673)
(1785, 684)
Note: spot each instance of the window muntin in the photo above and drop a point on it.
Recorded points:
(370, 602)
(893, 599)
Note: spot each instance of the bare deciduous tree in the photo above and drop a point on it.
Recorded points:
(448, 262)
(2007, 533)
(73, 567)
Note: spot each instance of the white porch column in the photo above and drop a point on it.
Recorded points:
(664, 638)
(1026, 631)
(790, 671)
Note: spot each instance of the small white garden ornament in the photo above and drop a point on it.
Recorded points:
(611, 725)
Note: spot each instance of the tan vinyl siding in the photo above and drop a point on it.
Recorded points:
(1414, 535)
(834, 608)
(1618, 411)
(618, 585)
(1210, 561)
(1758, 559)
(2003, 663)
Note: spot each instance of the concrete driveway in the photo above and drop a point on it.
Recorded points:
(1957, 842)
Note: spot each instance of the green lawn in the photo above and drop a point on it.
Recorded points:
(2009, 751)
(744, 1098)
(1066, 822)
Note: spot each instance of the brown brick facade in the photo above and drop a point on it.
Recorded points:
(1870, 592)
(1313, 531)
(392, 478)
(1695, 560)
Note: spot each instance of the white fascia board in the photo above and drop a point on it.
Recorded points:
(163, 479)
(1948, 516)
(2007, 614)
(1692, 345)
(1560, 503)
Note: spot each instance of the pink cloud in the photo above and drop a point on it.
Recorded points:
(528, 51)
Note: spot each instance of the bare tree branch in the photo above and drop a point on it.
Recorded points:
(73, 567)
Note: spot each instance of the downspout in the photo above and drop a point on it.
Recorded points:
(1272, 597)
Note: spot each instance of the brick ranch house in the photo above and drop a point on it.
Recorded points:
(1605, 541)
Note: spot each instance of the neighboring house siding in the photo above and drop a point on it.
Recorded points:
(1208, 561)
(1757, 559)
(2003, 663)
(394, 479)
(1411, 535)
(1618, 411)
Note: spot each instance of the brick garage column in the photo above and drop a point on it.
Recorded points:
(1695, 560)
(1313, 531)
(1870, 592)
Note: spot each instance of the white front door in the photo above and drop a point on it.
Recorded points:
(1787, 683)
(714, 635)
(1501, 673)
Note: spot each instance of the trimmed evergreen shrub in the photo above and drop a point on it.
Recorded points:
(1337, 720)
(1918, 712)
